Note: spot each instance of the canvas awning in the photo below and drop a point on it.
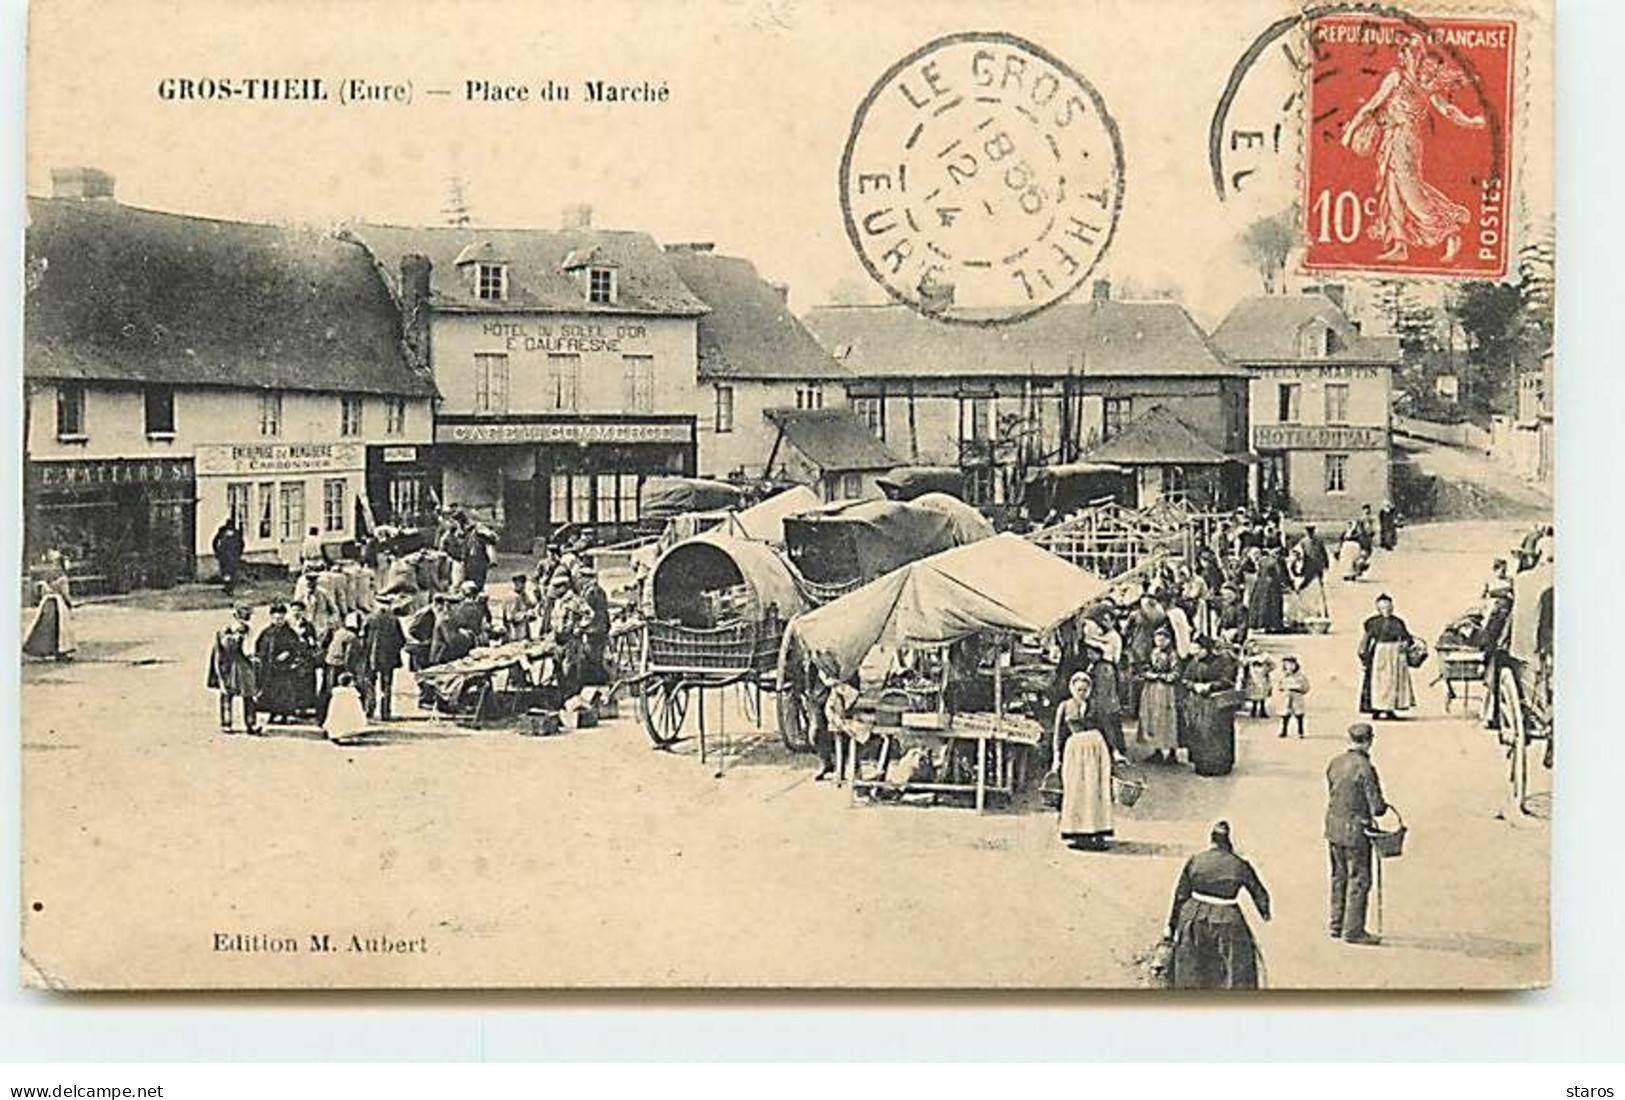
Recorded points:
(765, 521)
(711, 562)
(1004, 583)
(663, 497)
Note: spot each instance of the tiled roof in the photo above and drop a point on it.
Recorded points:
(1113, 339)
(1157, 437)
(122, 294)
(647, 284)
(1266, 330)
(750, 332)
(834, 440)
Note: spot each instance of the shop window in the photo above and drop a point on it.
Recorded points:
(405, 497)
(490, 382)
(265, 528)
(810, 396)
(160, 410)
(1337, 403)
(629, 486)
(1117, 413)
(292, 498)
(350, 415)
(1337, 473)
(237, 494)
(558, 511)
(395, 416)
(1289, 402)
(640, 383)
(564, 382)
(491, 282)
(872, 411)
(580, 498)
(601, 285)
(607, 497)
(333, 504)
(725, 409)
(270, 414)
(70, 412)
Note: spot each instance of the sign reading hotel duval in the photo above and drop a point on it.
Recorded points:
(1317, 437)
(278, 458)
(567, 431)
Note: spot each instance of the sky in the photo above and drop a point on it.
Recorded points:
(744, 153)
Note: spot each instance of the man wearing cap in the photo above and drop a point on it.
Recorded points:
(231, 670)
(1354, 799)
(596, 632)
(382, 641)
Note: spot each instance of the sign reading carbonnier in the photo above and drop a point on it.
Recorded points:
(982, 179)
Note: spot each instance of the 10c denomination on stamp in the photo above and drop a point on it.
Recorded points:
(1408, 157)
(982, 179)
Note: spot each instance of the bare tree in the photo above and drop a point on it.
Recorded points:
(1268, 242)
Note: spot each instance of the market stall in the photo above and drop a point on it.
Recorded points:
(838, 547)
(948, 646)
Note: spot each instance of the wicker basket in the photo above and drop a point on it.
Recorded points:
(1386, 843)
(1127, 791)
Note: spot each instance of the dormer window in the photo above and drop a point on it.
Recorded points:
(1315, 341)
(601, 285)
(491, 282)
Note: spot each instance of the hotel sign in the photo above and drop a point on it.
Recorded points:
(279, 458)
(566, 431)
(1317, 437)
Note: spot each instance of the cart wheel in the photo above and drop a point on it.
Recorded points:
(1515, 734)
(663, 704)
(793, 705)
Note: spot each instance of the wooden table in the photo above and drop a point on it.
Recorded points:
(988, 734)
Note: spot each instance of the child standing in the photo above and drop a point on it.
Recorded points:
(1256, 672)
(1294, 687)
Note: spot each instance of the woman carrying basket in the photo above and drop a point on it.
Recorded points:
(1086, 770)
(1213, 948)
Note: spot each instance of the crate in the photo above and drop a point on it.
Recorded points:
(541, 723)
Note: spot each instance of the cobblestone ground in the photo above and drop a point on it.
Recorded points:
(589, 858)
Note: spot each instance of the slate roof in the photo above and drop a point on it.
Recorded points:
(834, 440)
(1265, 330)
(1111, 339)
(122, 294)
(1157, 437)
(750, 332)
(647, 283)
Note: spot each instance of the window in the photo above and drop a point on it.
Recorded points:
(70, 412)
(601, 285)
(810, 396)
(349, 416)
(977, 419)
(629, 486)
(333, 504)
(271, 414)
(605, 494)
(558, 511)
(292, 496)
(1289, 402)
(725, 409)
(872, 411)
(1116, 414)
(267, 510)
(237, 493)
(1337, 473)
(491, 282)
(851, 486)
(580, 498)
(1314, 342)
(395, 416)
(490, 382)
(160, 410)
(1337, 403)
(640, 383)
(405, 497)
(564, 382)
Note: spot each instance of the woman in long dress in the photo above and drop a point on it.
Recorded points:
(1385, 686)
(1086, 770)
(1410, 210)
(1157, 735)
(50, 635)
(1103, 647)
(1213, 947)
(1352, 553)
(1210, 710)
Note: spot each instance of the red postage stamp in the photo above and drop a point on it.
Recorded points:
(1408, 145)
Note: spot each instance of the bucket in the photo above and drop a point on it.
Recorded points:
(1127, 791)
(1388, 844)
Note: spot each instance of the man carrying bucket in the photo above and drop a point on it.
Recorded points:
(1354, 801)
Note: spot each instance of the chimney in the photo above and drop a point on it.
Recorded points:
(691, 246)
(577, 215)
(415, 273)
(1102, 291)
(782, 290)
(1333, 291)
(81, 183)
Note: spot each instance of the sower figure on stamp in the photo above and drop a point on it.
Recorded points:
(1354, 800)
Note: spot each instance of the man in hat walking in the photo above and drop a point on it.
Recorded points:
(382, 640)
(1354, 799)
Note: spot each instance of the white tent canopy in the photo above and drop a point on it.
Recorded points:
(764, 521)
(1004, 583)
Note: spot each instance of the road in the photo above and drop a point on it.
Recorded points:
(591, 859)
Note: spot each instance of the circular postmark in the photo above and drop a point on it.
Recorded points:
(982, 179)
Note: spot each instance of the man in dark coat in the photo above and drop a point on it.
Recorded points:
(228, 552)
(476, 557)
(1315, 559)
(382, 640)
(1354, 799)
(1265, 611)
(597, 629)
(285, 669)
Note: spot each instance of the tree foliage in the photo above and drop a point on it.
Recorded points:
(1268, 242)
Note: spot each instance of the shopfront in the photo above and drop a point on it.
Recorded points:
(121, 523)
(528, 477)
(277, 492)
